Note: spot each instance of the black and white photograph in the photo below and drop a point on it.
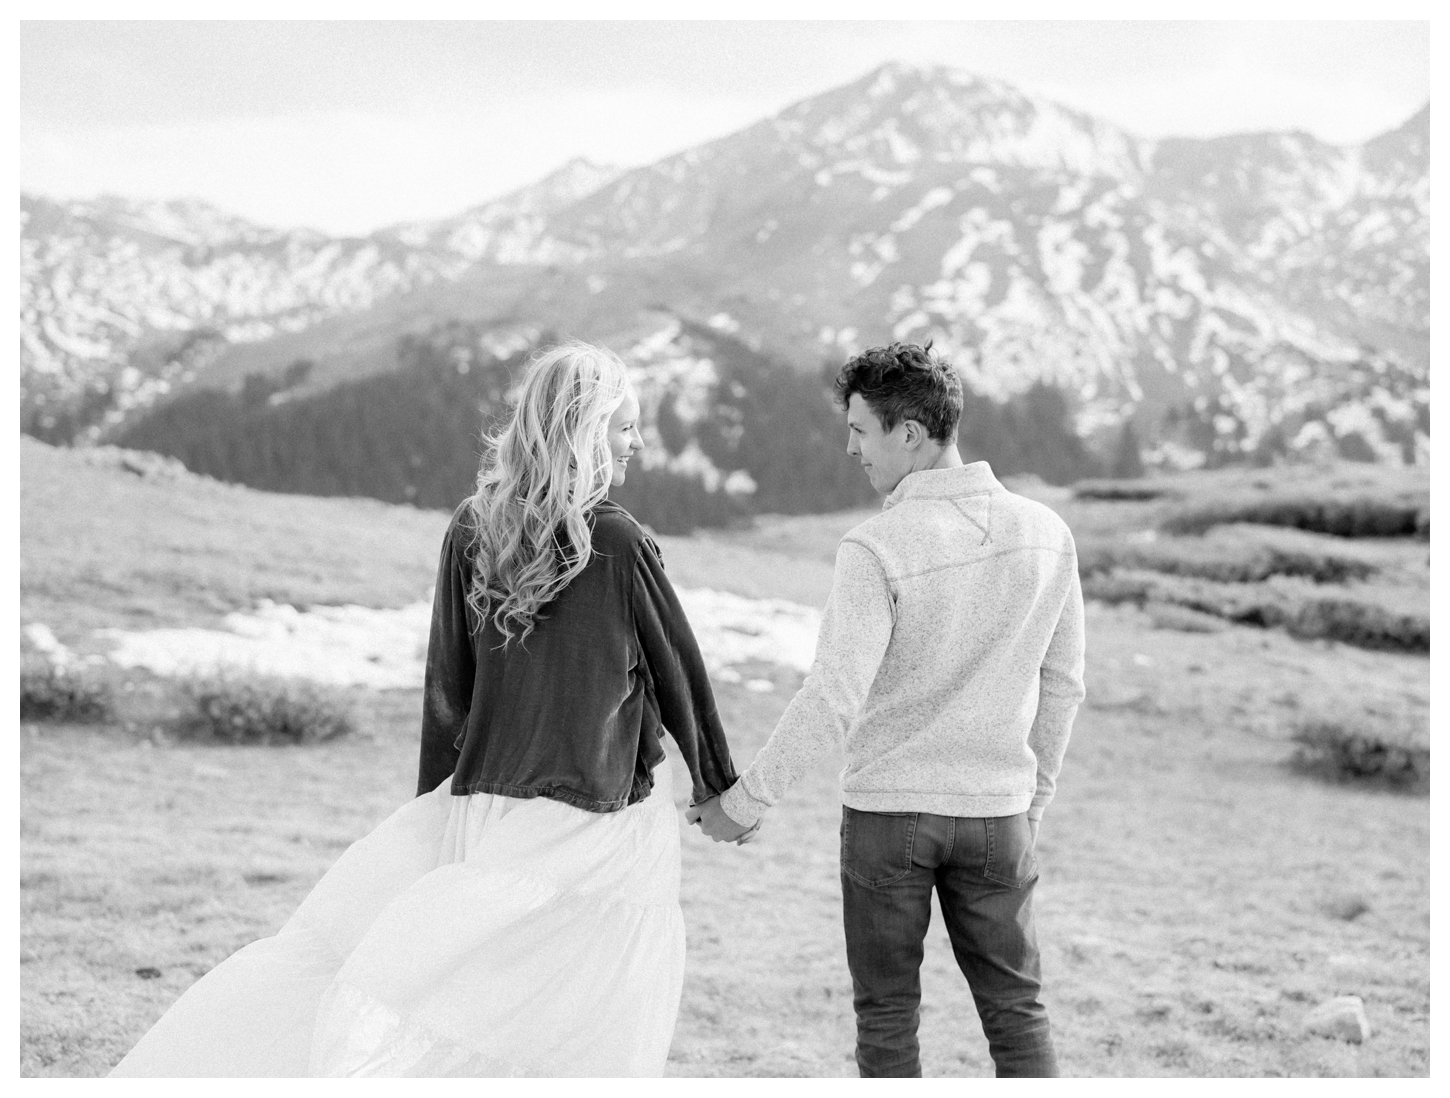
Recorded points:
(746, 545)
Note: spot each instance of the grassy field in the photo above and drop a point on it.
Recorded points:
(100, 546)
(1198, 897)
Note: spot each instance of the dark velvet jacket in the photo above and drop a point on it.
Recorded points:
(576, 711)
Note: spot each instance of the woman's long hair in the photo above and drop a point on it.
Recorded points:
(540, 475)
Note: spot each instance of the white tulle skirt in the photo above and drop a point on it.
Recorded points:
(465, 936)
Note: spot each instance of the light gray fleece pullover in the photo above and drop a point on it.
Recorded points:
(950, 658)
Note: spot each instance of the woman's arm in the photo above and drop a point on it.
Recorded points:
(449, 675)
(682, 688)
(855, 630)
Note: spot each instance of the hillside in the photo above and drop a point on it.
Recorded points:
(123, 300)
(111, 540)
(729, 432)
(118, 539)
(1199, 897)
(1251, 295)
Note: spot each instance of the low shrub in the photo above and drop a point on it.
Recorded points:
(51, 693)
(262, 709)
(1357, 617)
(1118, 586)
(1348, 752)
(1167, 615)
(1233, 555)
(1321, 567)
(1121, 489)
(1363, 623)
(1346, 517)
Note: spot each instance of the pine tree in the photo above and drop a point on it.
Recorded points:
(1128, 456)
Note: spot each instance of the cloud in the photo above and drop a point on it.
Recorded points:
(352, 172)
(355, 126)
(1212, 102)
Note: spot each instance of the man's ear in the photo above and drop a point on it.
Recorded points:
(914, 435)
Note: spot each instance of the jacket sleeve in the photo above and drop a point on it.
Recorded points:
(682, 687)
(1060, 693)
(856, 628)
(449, 673)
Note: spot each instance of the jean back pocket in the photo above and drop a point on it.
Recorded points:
(1011, 853)
(876, 846)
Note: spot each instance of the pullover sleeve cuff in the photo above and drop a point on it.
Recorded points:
(1038, 807)
(740, 806)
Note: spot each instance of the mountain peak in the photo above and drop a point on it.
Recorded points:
(901, 83)
(927, 112)
(924, 72)
(189, 221)
(508, 223)
(1403, 153)
(576, 178)
(583, 163)
(563, 186)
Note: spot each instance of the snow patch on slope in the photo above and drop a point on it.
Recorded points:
(386, 649)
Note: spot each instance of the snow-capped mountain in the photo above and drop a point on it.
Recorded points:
(513, 228)
(1256, 283)
(120, 299)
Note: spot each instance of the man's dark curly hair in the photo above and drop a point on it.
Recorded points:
(905, 381)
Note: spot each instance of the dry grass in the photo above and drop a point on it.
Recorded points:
(1367, 591)
(1245, 553)
(137, 853)
(1370, 615)
(1198, 895)
(104, 547)
(1227, 495)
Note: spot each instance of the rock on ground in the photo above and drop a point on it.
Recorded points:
(1343, 1017)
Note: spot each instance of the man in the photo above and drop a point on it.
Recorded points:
(950, 660)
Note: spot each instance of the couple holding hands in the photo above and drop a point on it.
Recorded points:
(521, 916)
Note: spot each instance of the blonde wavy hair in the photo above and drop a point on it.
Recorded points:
(540, 475)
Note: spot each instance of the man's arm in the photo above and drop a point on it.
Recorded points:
(720, 827)
(855, 630)
(1060, 693)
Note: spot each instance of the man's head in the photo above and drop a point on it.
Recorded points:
(902, 405)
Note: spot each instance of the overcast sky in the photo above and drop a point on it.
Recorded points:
(348, 127)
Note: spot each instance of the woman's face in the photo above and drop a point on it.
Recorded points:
(624, 437)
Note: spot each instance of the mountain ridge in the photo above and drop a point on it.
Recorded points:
(1029, 240)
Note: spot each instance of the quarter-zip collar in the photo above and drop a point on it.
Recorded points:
(966, 480)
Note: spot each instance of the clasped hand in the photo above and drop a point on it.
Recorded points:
(720, 827)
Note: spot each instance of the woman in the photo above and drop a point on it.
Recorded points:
(521, 916)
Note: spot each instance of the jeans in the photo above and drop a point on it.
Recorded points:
(984, 871)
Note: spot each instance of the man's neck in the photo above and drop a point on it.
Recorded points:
(946, 458)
